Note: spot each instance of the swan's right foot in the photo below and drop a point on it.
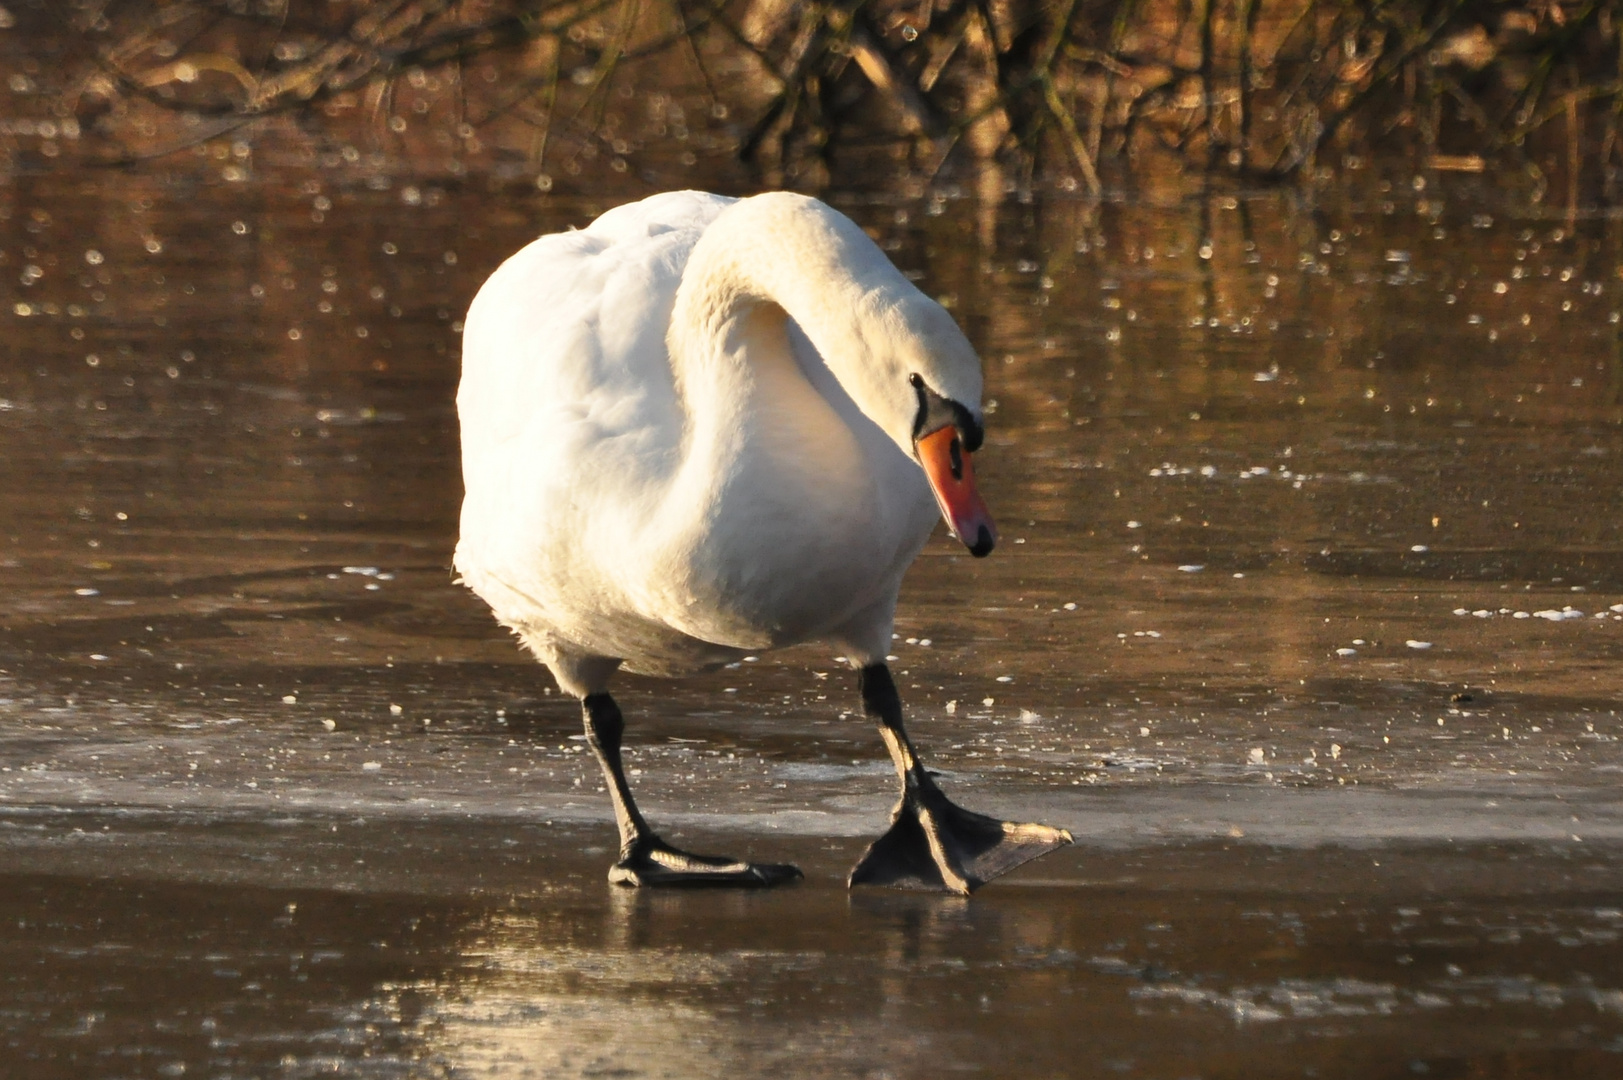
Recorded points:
(645, 859)
(651, 861)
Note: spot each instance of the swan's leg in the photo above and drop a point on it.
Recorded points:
(645, 859)
(932, 843)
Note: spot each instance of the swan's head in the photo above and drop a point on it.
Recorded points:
(945, 434)
(925, 390)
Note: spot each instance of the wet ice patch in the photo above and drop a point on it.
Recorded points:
(1288, 998)
(818, 771)
(1112, 965)
(1526, 989)
(365, 414)
(1131, 763)
(1553, 615)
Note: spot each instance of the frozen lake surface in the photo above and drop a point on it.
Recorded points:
(1306, 622)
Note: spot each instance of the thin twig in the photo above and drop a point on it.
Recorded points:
(1067, 125)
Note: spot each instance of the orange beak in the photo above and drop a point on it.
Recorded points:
(953, 481)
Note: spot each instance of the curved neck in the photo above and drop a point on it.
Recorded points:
(877, 336)
(799, 255)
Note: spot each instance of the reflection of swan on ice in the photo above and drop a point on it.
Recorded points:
(704, 427)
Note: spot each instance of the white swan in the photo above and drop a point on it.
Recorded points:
(695, 430)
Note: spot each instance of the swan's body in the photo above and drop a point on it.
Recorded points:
(669, 512)
(694, 430)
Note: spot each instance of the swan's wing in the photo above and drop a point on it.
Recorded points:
(568, 407)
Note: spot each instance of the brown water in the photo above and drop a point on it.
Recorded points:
(1232, 436)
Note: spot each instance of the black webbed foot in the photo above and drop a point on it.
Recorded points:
(645, 859)
(932, 843)
(937, 845)
(651, 861)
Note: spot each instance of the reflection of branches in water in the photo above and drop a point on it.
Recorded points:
(1260, 87)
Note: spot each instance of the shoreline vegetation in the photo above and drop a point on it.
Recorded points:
(604, 96)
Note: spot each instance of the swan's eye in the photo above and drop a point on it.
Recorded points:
(936, 412)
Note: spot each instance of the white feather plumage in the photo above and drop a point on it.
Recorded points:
(687, 436)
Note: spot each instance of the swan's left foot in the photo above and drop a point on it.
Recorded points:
(933, 843)
(651, 861)
(937, 845)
